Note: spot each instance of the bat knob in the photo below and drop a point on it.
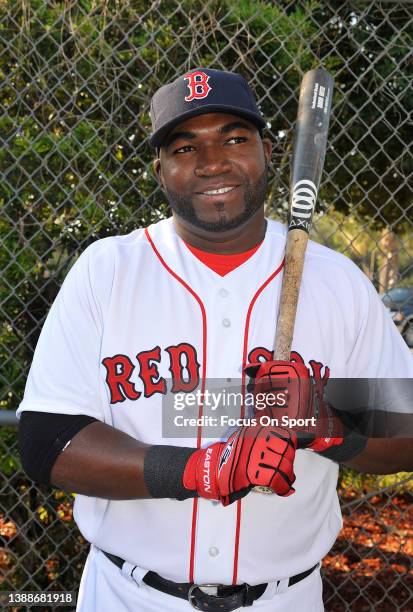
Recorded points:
(264, 490)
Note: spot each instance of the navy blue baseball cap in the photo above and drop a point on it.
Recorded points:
(197, 92)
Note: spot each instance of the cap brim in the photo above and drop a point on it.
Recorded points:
(157, 138)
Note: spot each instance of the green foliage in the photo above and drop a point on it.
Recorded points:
(360, 240)
(44, 550)
(9, 462)
(352, 482)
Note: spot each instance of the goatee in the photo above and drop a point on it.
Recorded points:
(254, 198)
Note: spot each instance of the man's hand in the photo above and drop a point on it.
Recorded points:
(252, 456)
(300, 398)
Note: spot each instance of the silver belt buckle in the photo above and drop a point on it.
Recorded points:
(204, 588)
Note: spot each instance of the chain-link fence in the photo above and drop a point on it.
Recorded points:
(75, 166)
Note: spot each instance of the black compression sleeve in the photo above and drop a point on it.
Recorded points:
(352, 445)
(163, 471)
(355, 436)
(42, 436)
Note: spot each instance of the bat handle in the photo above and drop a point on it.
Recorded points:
(294, 262)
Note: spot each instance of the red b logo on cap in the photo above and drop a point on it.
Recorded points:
(198, 85)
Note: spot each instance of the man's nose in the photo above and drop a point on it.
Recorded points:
(212, 161)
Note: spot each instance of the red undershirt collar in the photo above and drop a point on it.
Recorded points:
(220, 263)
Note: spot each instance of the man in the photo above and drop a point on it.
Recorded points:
(157, 312)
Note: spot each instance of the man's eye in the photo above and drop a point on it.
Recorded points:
(184, 149)
(237, 139)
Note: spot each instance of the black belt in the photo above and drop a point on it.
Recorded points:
(227, 598)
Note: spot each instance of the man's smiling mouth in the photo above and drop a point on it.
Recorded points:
(219, 191)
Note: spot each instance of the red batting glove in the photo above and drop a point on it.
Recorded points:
(281, 388)
(299, 397)
(252, 456)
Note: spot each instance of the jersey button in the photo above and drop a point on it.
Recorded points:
(226, 322)
(223, 292)
(213, 551)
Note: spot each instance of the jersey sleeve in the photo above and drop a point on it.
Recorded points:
(378, 350)
(64, 375)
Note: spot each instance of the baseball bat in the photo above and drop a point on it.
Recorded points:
(309, 148)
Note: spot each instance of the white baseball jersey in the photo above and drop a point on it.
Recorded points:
(139, 316)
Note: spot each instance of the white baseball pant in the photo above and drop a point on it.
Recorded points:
(105, 588)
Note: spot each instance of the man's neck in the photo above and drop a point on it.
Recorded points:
(237, 240)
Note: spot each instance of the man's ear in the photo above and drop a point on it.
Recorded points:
(267, 145)
(157, 170)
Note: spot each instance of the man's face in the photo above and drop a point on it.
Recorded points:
(214, 170)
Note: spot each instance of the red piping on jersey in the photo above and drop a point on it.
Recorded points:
(201, 407)
(244, 363)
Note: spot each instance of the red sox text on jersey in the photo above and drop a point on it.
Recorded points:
(184, 368)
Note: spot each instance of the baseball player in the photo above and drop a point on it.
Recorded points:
(176, 523)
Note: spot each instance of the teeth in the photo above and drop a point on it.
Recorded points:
(217, 191)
